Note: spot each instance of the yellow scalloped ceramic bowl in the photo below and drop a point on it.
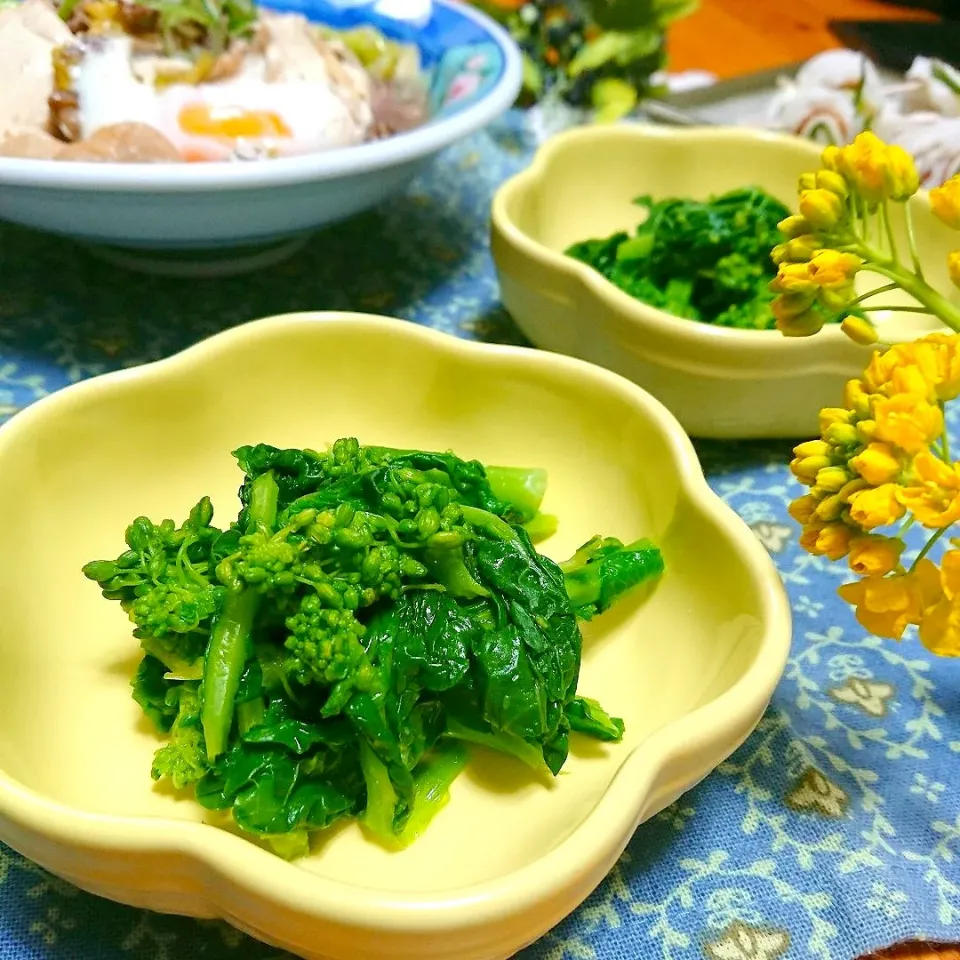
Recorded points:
(718, 382)
(691, 670)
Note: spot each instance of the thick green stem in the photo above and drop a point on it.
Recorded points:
(521, 488)
(230, 640)
(226, 658)
(917, 288)
(928, 546)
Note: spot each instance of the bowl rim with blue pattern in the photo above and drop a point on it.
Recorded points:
(454, 32)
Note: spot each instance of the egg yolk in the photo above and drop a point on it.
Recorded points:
(201, 120)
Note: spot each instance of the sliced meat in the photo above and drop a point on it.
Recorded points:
(123, 143)
(29, 33)
(31, 146)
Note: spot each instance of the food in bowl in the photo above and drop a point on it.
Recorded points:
(370, 612)
(701, 260)
(195, 80)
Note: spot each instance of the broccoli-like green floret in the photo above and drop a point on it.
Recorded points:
(603, 570)
(183, 760)
(325, 648)
(162, 582)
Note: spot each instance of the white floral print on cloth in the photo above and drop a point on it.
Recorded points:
(835, 828)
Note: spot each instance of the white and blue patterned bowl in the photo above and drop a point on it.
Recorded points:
(474, 73)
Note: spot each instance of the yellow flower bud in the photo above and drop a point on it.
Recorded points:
(829, 158)
(837, 298)
(832, 415)
(945, 202)
(832, 181)
(807, 181)
(790, 305)
(860, 330)
(849, 489)
(832, 268)
(867, 430)
(903, 181)
(953, 266)
(874, 556)
(831, 479)
(793, 226)
(876, 506)
(877, 464)
(801, 325)
(794, 278)
(805, 469)
(841, 435)
(864, 163)
(801, 249)
(830, 509)
(779, 254)
(812, 448)
(821, 208)
(802, 508)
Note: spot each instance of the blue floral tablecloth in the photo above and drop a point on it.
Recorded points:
(834, 830)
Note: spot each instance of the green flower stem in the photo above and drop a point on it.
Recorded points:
(898, 308)
(912, 241)
(866, 296)
(928, 546)
(888, 230)
(944, 438)
(918, 288)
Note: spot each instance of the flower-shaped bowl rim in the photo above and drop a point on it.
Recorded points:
(269, 879)
(827, 352)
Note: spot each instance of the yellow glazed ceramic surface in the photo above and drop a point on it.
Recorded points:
(691, 670)
(718, 382)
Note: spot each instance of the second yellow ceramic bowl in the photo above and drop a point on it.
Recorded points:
(718, 382)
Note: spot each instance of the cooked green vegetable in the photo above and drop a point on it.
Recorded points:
(596, 54)
(703, 260)
(370, 614)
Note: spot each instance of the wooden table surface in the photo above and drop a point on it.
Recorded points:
(732, 37)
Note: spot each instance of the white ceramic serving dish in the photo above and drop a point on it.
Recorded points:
(204, 205)
(691, 670)
(718, 382)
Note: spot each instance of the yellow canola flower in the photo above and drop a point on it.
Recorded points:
(864, 163)
(874, 556)
(831, 268)
(907, 421)
(940, 629)
(945, 202)
(876, 506)
(936, 357)
(940, 623)
(830, 158)
(903, 181)
(950, 573)
(802, 509)
(795, 278)
(860, 330)
(887, 605)
(933, 496)
(822, 209)
(832, 181)
(877, 463)
(794, 226)
(953, 267)
(831, 540)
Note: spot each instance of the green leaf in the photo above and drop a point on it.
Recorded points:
(614, 47)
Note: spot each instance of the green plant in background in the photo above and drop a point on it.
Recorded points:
(595, 54)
